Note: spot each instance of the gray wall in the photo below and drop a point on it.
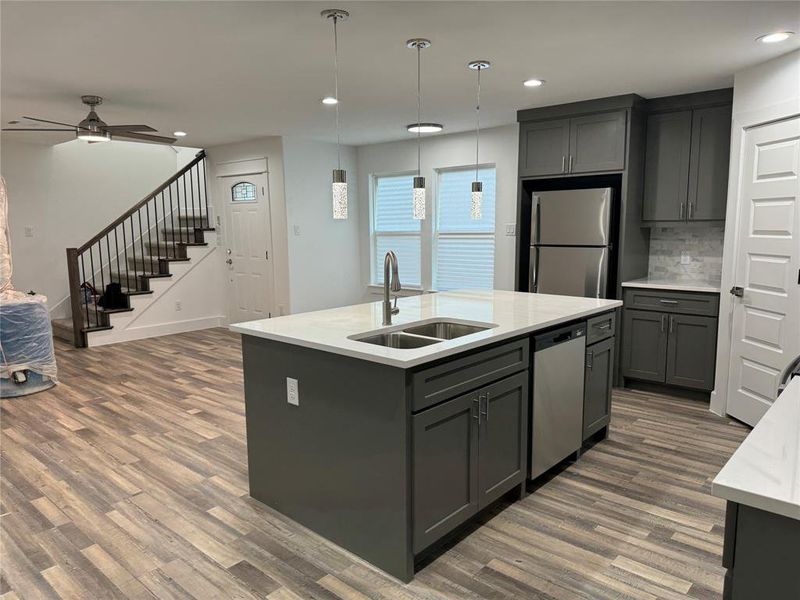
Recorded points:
(703, 245)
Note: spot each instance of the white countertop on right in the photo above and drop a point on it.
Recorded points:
(764, 472)
(675, 283)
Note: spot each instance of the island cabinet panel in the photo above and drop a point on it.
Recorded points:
(597, 386)
(644, 348)
(445, 468)
(544, 147)
(666, 171)
(597, 143)
(503, 440)
(691, 341)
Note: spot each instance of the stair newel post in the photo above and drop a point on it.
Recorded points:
(73, 277)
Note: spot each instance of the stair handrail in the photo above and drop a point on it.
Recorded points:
(109, 228)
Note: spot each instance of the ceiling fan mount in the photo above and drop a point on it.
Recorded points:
(94, 129)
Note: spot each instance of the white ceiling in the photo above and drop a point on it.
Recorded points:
(231, 71)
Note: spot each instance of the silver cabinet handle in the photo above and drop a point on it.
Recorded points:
(570, 163)
(691, 209)
(665, 301)
(589, 359)
(671, 324)
(478, 415)
(663, 323)
(603, 326)
(563, 163)
(486, 413)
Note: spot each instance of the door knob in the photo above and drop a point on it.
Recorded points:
(737, 291)
(229, 261)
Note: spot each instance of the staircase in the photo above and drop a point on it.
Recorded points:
(144, 251)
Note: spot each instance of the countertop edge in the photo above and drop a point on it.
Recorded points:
(434, 356)
(754, 500)
(700, 287)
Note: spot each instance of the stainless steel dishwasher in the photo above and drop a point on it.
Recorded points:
(557, 415)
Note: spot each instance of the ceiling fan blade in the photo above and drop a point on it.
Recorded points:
(37, 129)
(123, 128)
(147, 138)
(51, 122)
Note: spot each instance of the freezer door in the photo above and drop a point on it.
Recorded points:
(571, 217)
(569, 271)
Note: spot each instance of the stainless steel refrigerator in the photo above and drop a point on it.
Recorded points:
(571, 242)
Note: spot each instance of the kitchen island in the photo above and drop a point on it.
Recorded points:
(385, 439)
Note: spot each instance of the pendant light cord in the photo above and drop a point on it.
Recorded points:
(419, 110)
(478, 124)
(336, 89)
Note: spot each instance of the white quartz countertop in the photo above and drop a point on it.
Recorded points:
(764, 472)
(513, 313)
(677, 284)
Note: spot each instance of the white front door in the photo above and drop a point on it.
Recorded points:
(248, 234)
(765, 333)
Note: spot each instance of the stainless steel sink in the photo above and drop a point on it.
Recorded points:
(398, 340)
(445, 330)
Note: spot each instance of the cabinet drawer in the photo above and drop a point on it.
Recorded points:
(600, 327)
(454, 377)
(688, 303)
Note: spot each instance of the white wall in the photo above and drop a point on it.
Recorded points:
(67, 193)
(324, 265)
(270, 148)
(499, 146)
(763, 93)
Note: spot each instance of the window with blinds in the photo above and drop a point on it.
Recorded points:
(464, 248)
(394, 228)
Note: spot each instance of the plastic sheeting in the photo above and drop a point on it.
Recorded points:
(26, 339)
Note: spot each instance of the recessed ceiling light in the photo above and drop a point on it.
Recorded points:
(424, 127)
(179, 133)
(330, 100)
(774, 38)
(533, 83)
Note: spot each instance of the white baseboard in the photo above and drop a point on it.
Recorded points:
(113, 336)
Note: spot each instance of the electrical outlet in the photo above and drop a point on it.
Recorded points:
(292, 393)
(29, 231)
(685, 258)
(178, 305)
(511, 229)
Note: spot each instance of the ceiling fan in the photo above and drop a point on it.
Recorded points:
(94, 129)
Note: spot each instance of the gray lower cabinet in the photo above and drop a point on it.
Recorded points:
(692, 340)
(599, 376)
(644, 345)
(467, 452)
(667, 341)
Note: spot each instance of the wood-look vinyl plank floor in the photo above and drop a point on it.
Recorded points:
(129, 480)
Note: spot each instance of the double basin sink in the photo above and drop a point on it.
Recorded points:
(419, 335)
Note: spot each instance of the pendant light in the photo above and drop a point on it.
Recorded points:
(339, 186)
(476, 206)
(418, 198)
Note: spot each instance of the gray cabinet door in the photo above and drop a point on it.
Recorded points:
(597, 386)
(691, 351)
(708, 169)
(544, 147)
(666, 170)
(597, 143)
(644, 345)
(503, 440)
(445, 464)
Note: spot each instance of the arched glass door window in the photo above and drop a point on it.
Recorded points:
(243, 192)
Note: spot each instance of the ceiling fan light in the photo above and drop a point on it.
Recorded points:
(425, 127)
(94, 136)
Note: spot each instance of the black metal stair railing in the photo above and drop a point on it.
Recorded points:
(136, 247)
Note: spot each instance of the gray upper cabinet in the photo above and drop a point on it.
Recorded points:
(502, 444)
(544, 147)
(666, 171)
(692, 340)
(445, 468)
(591, 143)
(644, 346)
(708, 169)
(597, 143)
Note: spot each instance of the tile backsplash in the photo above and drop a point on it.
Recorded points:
(702, 244)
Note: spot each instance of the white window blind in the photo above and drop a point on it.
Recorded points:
(394, 228)
(463, 247)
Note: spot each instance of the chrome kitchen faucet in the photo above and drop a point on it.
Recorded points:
(390, 260)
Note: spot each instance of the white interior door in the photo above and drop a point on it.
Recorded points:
(765, 333)
(248, 260)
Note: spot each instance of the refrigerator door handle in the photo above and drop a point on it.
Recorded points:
(533, 283)
(535, 220)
